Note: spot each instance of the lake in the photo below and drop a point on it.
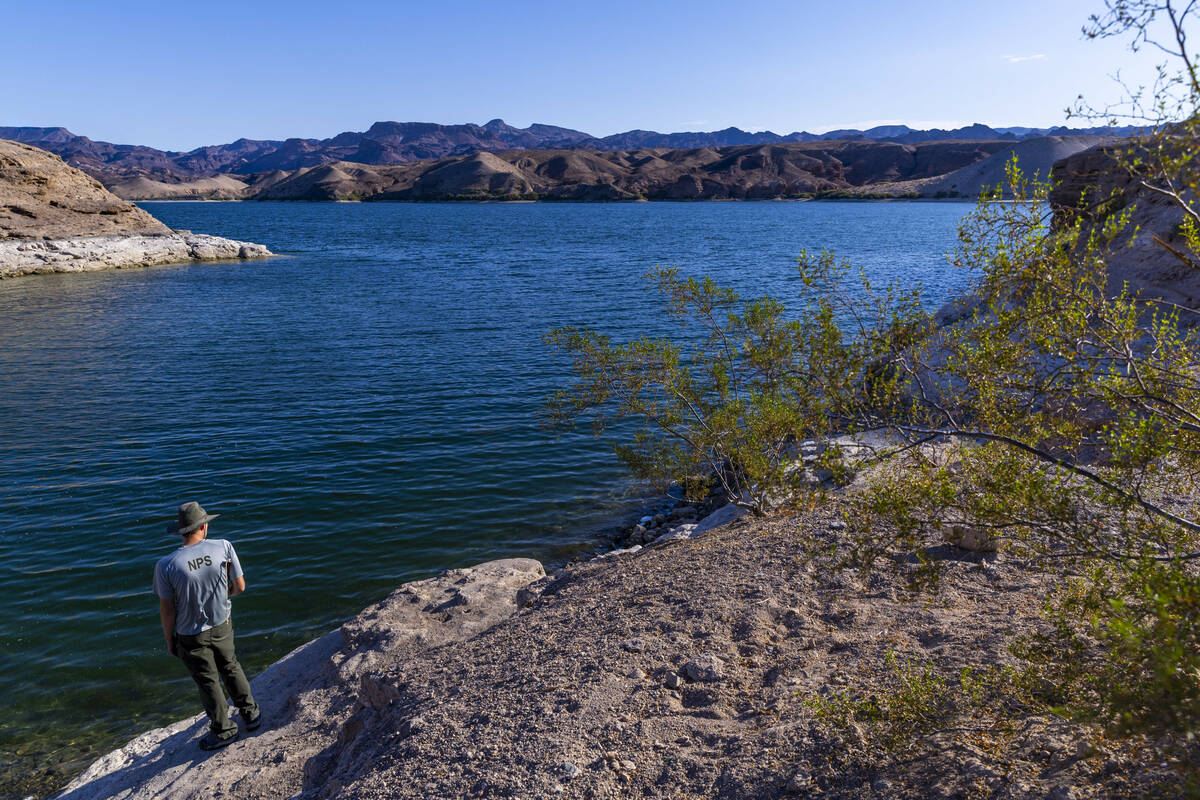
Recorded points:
(361, 412)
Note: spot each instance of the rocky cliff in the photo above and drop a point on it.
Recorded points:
(1149, 255)
(54, 218)
(43, 198)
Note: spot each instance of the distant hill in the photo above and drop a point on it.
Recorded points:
(767, 171)
(402, 142)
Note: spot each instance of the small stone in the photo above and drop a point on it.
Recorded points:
(672, 680)
(628, 766)
(634, 645)
(525, 597)
(837, 525)
(637, 673)
(412, 726)
(707, 669)
(967, 537)
(1061, 793)
(619, 552)
(673, 536)
(569, 770)
(880, 785)
(798, 783)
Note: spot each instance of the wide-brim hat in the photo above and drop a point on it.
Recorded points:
(191, 516)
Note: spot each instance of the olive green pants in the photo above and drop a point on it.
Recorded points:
(208, 656)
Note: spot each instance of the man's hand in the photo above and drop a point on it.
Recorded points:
(171, 647)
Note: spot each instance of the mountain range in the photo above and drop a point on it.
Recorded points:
(762, 171)
(389, 143)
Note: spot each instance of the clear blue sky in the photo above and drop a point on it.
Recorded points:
(179, 75)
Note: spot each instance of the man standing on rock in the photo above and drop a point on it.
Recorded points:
(194, 585)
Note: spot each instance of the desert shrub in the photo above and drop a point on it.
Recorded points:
(916, 699)
(726, 407)
(1125, 648)
(1052, 410)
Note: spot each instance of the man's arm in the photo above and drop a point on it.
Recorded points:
(233, 572)
(166, 613)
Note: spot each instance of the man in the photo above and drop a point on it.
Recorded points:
(194, 585)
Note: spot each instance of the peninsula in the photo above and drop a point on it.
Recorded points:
(55, 218)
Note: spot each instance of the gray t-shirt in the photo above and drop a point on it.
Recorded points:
(196, 578)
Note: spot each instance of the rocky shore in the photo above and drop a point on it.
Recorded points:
(54, 218)
(82, 254)
(686, 667)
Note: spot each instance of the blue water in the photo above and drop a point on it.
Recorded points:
(361, 413)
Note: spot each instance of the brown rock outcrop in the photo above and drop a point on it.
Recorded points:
(54, 218)
(43, 198)
(1035, 157)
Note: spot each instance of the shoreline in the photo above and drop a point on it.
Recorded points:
(602, 537)
(554, 201)
(685, 667)
(331, 661)
(663, 518)
(19, 257)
